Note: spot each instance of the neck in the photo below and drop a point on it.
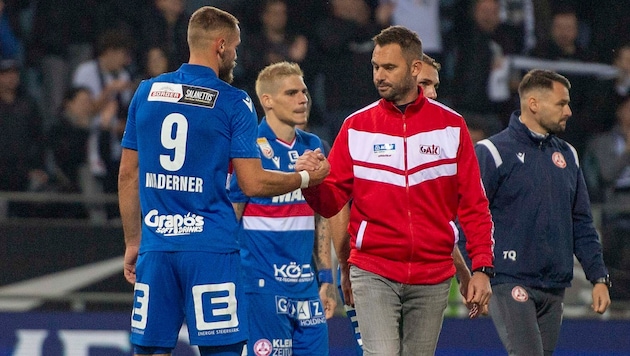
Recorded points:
(532, 125)
(283, 131)
(7, 96)
(206, 61)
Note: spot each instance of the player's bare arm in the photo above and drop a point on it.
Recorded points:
(323, 259)
(256, 181)
(129, 201)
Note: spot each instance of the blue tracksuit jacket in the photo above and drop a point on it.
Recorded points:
(540, 208)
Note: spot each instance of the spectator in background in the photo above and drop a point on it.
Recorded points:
(532, 18)
(10, 45)
(441, 20)
(607, 172)
(164, 25)
(120, 15)
(68, 141)
(272, 42)
(343, 45)
(22, 158)
(62, 37)
(108, 79)
(481, 85)
(153, 63)
(564, 45)
(407, 12)
(609, 25)
(604, 96)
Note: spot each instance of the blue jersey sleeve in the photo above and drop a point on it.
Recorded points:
(130, 138)
(244, 129)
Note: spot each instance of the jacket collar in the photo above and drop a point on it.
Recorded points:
(524, 134)
(412, 108)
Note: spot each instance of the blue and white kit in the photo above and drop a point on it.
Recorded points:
(186, 126)
(277, 237)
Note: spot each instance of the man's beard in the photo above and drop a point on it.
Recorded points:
(226, 71)
(226, 74)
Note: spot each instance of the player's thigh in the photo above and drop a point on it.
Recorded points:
(270, 326)
(157, 314)
(513, 312)
(378, 305)
(310, 334)
(215, 305)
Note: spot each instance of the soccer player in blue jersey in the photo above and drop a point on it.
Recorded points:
(184, 129)
(286, 314)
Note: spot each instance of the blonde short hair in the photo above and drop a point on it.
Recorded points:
(268, 77)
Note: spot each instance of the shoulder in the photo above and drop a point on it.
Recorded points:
(567, 150)
(87, 66)
(309, 140)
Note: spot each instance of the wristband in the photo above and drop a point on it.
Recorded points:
(325, 276)
(305, 179)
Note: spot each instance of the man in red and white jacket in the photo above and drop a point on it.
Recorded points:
(408, 164)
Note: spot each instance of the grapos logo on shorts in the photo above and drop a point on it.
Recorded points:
(174, 224)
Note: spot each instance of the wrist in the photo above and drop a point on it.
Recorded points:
(603, 280)
(305, 179)
(325, 276)
(487, 270)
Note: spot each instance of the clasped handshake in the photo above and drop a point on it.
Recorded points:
(315, 163)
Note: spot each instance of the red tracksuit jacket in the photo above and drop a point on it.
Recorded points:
(409, 175)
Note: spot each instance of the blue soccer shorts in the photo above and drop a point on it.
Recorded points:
(286, 326)
(202, 288)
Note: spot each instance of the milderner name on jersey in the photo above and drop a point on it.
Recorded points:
(174, 182)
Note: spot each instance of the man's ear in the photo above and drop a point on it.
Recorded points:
(266, 101)
(416, 67)
(533, 104)
(219, 44)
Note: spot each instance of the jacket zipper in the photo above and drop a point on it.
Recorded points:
(406, 151)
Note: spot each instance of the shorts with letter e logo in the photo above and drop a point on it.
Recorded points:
(202, 288)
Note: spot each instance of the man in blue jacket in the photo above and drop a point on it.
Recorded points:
(542, 217)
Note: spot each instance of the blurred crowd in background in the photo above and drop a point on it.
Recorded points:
(68, 70)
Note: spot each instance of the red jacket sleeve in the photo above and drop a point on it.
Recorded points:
(474, 211)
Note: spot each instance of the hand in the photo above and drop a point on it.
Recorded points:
(346, 286)
(327, 293)
(464, 280)
(129, 264)
(310, 160)
(317, 176)
(474, 310)
(601, 298)
(479, 290)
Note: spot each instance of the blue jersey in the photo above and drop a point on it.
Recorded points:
(277, 233)
(186, 126)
